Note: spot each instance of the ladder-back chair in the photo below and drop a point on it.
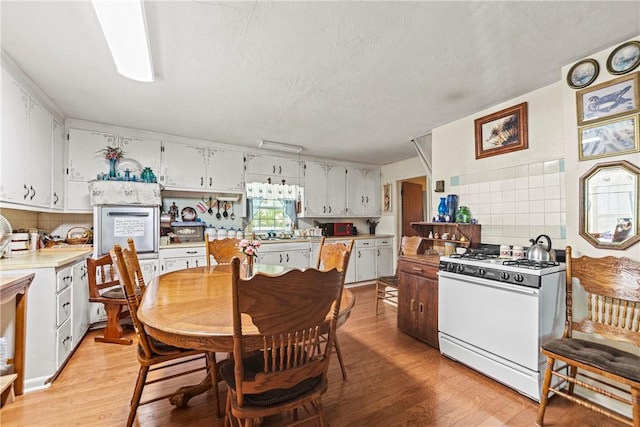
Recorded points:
(154, 355)
(332, 256)
(222, 250)
(104, 288)
(610, 310)
(387, 286)
(284, 368)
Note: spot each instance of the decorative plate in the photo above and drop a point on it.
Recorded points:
(135, 168)
(583, 73)
(188, 214)
(624, 58)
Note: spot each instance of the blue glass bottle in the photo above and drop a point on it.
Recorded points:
(442, 209)
(452, 206)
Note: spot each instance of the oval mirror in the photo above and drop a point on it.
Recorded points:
(609, 205)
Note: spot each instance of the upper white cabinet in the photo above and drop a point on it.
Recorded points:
(325, 191)
(193, 167)
(260, 167)
(57, 165)
(363, 192)
(25, 146)
(86, 160)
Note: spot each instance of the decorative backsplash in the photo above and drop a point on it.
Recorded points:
(516, 203)
(55, 224)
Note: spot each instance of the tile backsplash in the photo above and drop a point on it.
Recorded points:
(55, 224)
(516, 203)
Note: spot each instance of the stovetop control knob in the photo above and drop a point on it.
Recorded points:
(459, 268)
(504, 275)
(451, 266)
(482, 272)
(518, 278)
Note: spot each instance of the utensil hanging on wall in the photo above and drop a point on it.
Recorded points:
(225, 213)
(233, 215)
(218, 216)
(210, 210)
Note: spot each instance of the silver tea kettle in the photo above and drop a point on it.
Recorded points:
(537, 252)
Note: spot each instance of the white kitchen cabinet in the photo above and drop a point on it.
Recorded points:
(172, 259)
(57, 165)
(260, 167)
(365, 254)
(193, 167)
(295, 255)
(325, 189)
(150, 268)
(384, 257)
(80, 301)
(25, 146)
(363, 192)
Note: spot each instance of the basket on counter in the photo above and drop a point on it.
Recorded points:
(78, 236)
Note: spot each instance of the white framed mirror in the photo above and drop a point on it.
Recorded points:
(609, 205)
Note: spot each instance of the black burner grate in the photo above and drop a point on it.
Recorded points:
(534, 265)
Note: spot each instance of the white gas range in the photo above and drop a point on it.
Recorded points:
(493, 315)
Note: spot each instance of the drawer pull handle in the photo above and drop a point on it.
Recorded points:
(416, 269)
(192, 252)
(421, 308)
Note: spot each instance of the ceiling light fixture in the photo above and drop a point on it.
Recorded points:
(279, 146)
(124, 27)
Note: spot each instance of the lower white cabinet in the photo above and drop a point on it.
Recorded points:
(172, 259)
(365, 255)
(384, 257)
(295, 255)
(56, 320)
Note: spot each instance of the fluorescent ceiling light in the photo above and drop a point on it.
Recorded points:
(279, 146)
(125, 29)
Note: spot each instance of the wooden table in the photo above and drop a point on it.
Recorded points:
(15, 286)
(192, 309)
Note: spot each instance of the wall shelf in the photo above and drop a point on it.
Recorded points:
(471, 232)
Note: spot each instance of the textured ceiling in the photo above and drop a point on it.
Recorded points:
(346, 80)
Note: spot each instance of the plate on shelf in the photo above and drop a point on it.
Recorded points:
(135, 168)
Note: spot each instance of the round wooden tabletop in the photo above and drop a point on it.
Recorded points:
(192, 308)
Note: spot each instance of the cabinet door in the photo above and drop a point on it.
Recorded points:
(173, 264)
(371, 193)
(80, 302)
(273, 258)
(145, 151)
(427, 310)
(407, 302)
(225, 170)
(57, 165)
(39, 157)
(64, 340)
(336, 190)
(13, 145)
(184, 166)
(355, 187)
(272, 167)
(85, 159)
(365, 264)
(149, 269)
(296, 259)
(384, 261)
(315, 189)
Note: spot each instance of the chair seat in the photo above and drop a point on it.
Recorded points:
(253, 366)
(388, 280)
(115, 293)
(601, 356)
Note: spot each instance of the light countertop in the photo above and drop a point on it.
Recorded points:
(292, 240)
(47, 258)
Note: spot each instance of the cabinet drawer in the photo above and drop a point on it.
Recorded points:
(64, 278)
(198, 251)
(384, 242)
(64, 341)
(419, 269)
(368, 243)
(64, 306)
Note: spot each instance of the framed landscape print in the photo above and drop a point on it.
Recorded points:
(624, 58)
(502, 132)
(583, 73)
(609, 138)
(607, 100)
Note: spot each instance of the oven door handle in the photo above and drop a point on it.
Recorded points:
(477, 281)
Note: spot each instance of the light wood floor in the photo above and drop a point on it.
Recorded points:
(394, 380)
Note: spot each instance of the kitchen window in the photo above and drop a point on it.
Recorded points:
(271, 207)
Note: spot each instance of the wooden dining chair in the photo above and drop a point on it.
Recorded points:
(222, 250)
(154, 355)
(333, 256)
(285, 368)
(104, 288)
(387, 286)
(137, 270)
(610, 310)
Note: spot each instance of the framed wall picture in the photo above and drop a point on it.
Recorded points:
(607, 100)
(609, 138)
(502, 132)
(387, 204)
(624, 58)
(583, 73)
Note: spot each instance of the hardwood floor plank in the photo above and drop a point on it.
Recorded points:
(394, 380)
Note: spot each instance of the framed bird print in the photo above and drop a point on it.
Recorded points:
(607, 100)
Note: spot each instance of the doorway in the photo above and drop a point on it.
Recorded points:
(413, 206)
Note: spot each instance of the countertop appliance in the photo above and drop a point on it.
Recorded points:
(337, 228)
(115, 224)
(494, 314)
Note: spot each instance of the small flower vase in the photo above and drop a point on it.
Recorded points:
(249, 266)
(442, 208)
(112, 167)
